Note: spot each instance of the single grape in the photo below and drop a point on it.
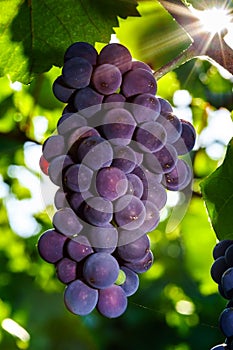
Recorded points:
(98, 211)
(131, 284)
(66, 222)
(100, 270)
(135, 250)
(145, 108)
(76, 199)
(78, 178)
(140, 64)
(218, 267)
(70, 122)
(53, 146)
(44, 165)
(57, 168)
(187, 139)
(227, 283)
(116, 54)
(150, 136)
(61, 91)
(229, 255)
(162, 161)
(175, 179)
(76, 72)
(135, 185)
(111, 183)
(226, 322)
(152, 217)
(172, 125)
(145, 175)
(50, 246)
(165, 106)
(154, 191)
(77, 136)
(106, 78)
(118, 126)
(66, 270)
(81, 49)
(78, 248)
(112, 302)
(129, 212)
(114, 101)
(102, 239)
(85, 98)
(138, 81)
(79, 298)
(221, 247)
(141, 266)
(124, 158)
(95, 152)
(60, 200)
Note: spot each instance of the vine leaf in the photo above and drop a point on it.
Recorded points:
(217, 190)
(34, 34)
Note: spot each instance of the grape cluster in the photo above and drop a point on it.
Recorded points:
(117, 150)
(222, 273)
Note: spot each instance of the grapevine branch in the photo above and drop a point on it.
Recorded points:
(213, 48)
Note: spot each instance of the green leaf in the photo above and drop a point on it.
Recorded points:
(34, 34)
(217, 190)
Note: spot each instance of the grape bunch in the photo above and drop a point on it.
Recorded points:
(117, 151)
(222, 273)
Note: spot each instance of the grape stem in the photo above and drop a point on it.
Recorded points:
(203, 44)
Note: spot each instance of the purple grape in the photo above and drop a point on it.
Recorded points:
(135, 185)
(229, 255)
(140, 64)
(60, 200)
(76, 72)
(154, 192)
(175, 179)
(226, 322)
(79, 298)
(187, 139)
(53, 146)
(218, 267)
(129, 212)
(135, 250)
(141, 266)
(95, 152)
(165, 106)
(112, 302)
(138, 81)
(221, 247)
(81, 49)
(114, 101)
(111, 183)
(57, 167)
(70, 122)
(227, 283)
(162, 161)
(85, 98)
(188, 177)
(124, 158)
(98, 211)
(150, 136)
(61, 91)
(118, 126)
(131, 284)
(106, 78)
(100, 270)
(67, 222)
(66, 270)
(79, 248)
(50, 246)
(145, 175)
(75, 199)
(172, 125)
(117, 55)
(77, 136)
(102, 239)
(145, 108)
(78, 178)
(152, 217)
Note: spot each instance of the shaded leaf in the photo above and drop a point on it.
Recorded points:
(217, 190)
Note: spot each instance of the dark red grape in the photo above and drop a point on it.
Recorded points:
(44, 165)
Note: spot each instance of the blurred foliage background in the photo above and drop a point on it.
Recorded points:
(177, 305)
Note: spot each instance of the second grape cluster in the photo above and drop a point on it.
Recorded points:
(117, 151)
